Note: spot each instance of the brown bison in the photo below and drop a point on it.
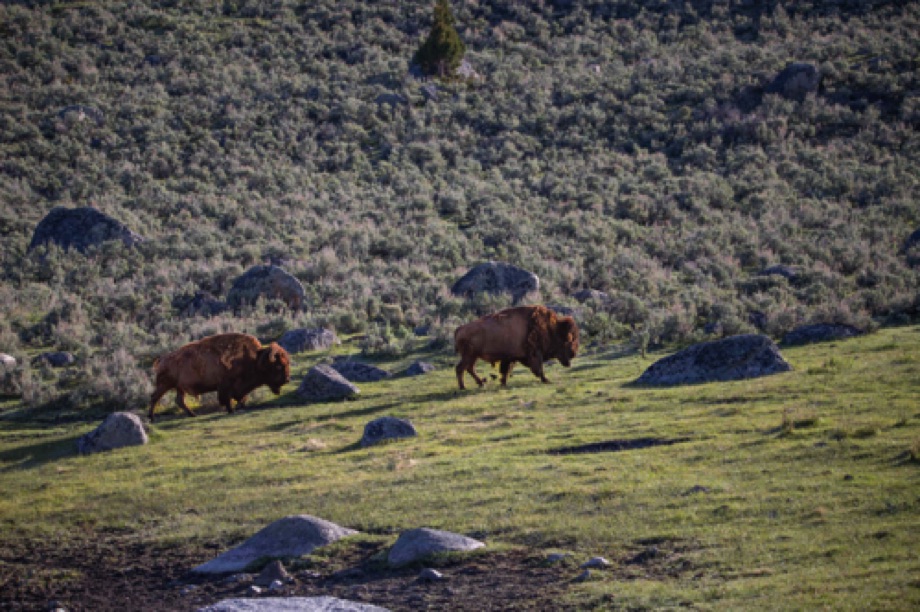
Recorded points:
(528, 334)
(232, 364)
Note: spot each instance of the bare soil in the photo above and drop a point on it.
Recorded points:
(115, 572)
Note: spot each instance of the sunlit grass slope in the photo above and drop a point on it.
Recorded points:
(792, 491)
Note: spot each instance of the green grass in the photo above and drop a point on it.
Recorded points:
(794, 491)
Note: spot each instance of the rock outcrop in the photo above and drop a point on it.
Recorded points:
(732, 358)
(292, 536)
(821, 332)
(303, 339)
(80, 229)
(418, 544)
(323, 384)
(355, 371)
(387, 428)
(291, 604)
(496, 277)
(118, 430)
(269, 283)
(796, 81)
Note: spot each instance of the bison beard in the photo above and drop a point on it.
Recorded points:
(234, 365)
(530, 335)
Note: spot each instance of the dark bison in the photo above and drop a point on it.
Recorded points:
(232, 364)
(528, 334)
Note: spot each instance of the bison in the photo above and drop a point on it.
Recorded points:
(528, 334)
(232, 364)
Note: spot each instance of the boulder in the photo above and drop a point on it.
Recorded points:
(821, 332)
(322, 384)
(591, 294)
(291, 604)
(118, 430)
(732, 358)
(418, 368)
(356, 371)
(269, 283)
(82, 112)
(796, 81)
(292, 536)
(80, 229)
(56, 359)
(300, 340)
(387, 428)
(497, 277)
(417, 544)
(786, 272)
(7, 361)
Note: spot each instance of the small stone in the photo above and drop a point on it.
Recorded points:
(387, 428)
(848, 477)
(253, 590)
(430, 575)
(188, 590)
(582, 577)
(557, 557)
(696, 489)
(118, 430)
(596, 562)
(322, 384)
(418, 368)
(275, 585)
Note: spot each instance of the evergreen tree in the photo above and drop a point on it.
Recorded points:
(443, 50)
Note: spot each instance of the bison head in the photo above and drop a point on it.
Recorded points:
(567, 333)
(275, 367)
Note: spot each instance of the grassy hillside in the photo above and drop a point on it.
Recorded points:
(793, 491)
(628, 147)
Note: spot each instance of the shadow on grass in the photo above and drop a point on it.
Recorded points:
(28, 457)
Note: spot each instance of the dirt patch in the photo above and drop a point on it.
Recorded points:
(615, 446)
(118, 573)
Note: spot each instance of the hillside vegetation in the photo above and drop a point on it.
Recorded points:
(629, 147)
(793, 491)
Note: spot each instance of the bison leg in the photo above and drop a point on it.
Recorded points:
(536, 366)
(225, 400)
(241, 403)
(467, 365)
(158, 394)
(505, 368)
(180, 402)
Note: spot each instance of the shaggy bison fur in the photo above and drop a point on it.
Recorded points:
(234, 365)
(530, 335)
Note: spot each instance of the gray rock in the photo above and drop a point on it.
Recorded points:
(7, 361)
(253, 590)
(273, 572)
(291, 604)
(301, 340)
(786, 272)
(595, 563)
(56, 359)
(276, 585)
(356, 371)
(80, 229)
(497, 277)
(417, 544)
(591, 294)
(430, 575)
(796, 81)
(292, 536)
(269, 283)
(118, 430)
(732, 358)
(822, 332)
(81, 112)
(584, 576)
(322, 384)
(557, 557)
(419, 367)
(387, 428)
